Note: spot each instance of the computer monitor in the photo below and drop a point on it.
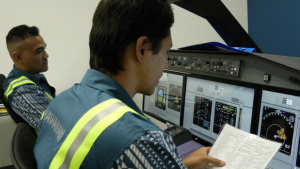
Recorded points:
(298, 156)
(278, 121)
(166, 101)
(210, 104)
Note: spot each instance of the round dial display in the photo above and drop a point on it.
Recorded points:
(160, 99)
(278, 125)
(174, 97)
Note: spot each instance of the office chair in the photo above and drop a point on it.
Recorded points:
(21, 150)
(12, 114)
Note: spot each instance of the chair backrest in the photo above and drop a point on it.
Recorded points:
(12, 114)
(21, 150)
(2, 79)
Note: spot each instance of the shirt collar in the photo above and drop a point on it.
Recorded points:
(108, 85)
(35, 78)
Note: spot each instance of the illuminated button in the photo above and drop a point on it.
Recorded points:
(231, 72)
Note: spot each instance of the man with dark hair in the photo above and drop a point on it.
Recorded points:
(25, 89)
(96, 124)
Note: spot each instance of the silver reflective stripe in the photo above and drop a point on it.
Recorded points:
(85, 130)
(11, 85)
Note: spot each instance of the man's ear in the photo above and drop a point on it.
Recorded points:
(142, 46)
(17, 57)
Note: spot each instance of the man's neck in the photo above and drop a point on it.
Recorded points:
(24, 69)
(126, 80)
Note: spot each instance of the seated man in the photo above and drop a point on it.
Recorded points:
(96, 124)
(25, 89)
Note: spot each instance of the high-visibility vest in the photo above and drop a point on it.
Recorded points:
(88, 128)
(18, 82)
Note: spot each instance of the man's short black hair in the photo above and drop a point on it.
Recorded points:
(118, 23)
(20, 33)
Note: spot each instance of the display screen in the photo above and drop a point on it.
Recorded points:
(298, 157)
(224, 114)
(208, 105)
(174, 97)
(160, 99)
(278, 125)
(202, 112)
(166, 101)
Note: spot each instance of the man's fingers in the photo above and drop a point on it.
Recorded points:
(215, 161)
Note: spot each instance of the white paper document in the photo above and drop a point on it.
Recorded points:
(242, 150)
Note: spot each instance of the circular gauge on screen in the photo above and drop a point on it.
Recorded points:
(278, 125)
(174, 97)
(160, 97)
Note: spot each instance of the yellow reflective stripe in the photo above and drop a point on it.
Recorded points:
(42, 115)
(70, 146)
(95, 132)
(18, 82)
(15, 83)
(61, 153)
(49, 95)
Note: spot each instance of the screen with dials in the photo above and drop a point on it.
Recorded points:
(278, 125)
(175, 97)
(202, 112)
(166, 101)
(224, 113)
(210, 104)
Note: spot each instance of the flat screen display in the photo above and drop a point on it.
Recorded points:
(166, 101)
(160, 97)
(278, 125)
(298, 157)
(210, 104)
(202, 112)
(278, 121)
(175, 97)
(224, 113)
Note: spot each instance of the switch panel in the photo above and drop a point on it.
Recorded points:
(228, 67)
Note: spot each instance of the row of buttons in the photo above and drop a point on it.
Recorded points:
(224, 71)
(231, 68)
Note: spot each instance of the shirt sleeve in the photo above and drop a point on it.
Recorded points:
(29, 102)
(155, 149)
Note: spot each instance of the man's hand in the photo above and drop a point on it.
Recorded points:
(199, 159)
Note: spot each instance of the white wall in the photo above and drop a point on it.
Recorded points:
(65, 26)
(190, 29)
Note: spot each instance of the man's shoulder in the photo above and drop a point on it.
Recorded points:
(9, 79)
(11, 76)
